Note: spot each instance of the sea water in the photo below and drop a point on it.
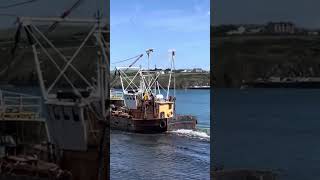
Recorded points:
(268, 129)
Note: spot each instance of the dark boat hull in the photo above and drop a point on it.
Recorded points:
(152, 125)
(138, 125)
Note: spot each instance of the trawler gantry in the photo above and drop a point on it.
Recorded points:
(145, 106)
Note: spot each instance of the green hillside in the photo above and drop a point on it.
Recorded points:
(237, 58)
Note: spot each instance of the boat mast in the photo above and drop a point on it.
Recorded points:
(174, 74)
(170, 74)
(149, 51)
(174, 81)
(39, 72)
(102, 67)
(37, 62)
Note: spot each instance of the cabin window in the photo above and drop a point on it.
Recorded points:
(75, 115)
(170, 106)
(56, 112)
(162, 115)
(85, 114)
(66, 113)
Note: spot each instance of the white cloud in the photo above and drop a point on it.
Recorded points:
(176, 20)
(182, 24)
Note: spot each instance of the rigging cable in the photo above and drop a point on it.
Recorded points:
(127, 59)
(137, 58)
(64, 15)
(9, 15)
(17, 4)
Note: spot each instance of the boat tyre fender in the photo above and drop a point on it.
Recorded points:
(163, 124)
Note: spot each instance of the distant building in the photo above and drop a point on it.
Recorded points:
(155, 69)
(178, 70)
(281, 28)
(186, 70)
(313, 33)
(255, 30)
(240, 30)
(197, 70)
(167, 70)
(274, 79)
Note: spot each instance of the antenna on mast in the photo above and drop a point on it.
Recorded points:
(149, 51)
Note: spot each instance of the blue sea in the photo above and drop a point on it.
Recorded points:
(195, 102)
(269, 129)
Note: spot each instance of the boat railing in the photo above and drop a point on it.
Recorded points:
(18, 106)
(116, 95)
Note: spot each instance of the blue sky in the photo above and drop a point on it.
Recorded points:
(183, 25)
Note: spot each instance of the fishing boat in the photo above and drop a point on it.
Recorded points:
(25, 151)
(143, 105)
(76, 104)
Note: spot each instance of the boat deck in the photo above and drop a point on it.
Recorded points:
(19, 107)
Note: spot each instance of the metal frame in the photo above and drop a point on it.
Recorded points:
(146, 78)
(29, 20)
(96, 31)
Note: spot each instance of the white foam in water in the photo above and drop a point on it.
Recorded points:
(192, 133)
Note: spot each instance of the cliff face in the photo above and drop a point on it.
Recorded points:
(238, 58)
